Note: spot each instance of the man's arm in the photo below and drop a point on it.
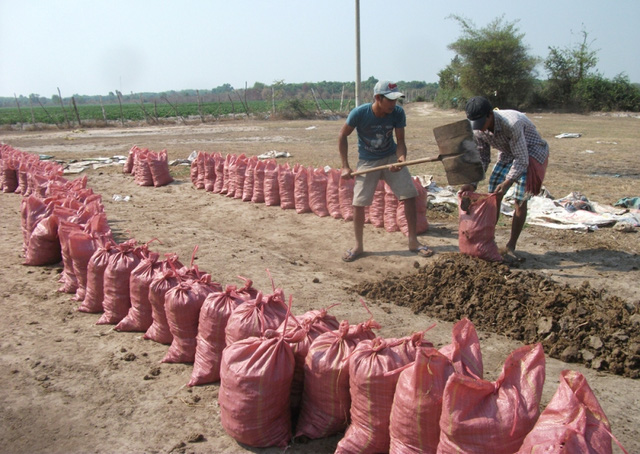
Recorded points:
(343, 148)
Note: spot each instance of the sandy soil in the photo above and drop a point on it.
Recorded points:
(69, 385)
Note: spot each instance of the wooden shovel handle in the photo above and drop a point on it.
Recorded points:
(397, 164)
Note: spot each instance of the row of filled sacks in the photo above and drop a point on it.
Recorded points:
(404, 396)
(148, 167)
(24, 173)
(321, 191)
(51, 225)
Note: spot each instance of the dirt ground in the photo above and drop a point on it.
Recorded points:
(69, 385)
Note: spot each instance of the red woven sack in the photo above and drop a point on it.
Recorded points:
(301, 189)
(239, 170)
(209, 172)
(94, 294)
(391, 203)
(141, 168)
(255, 377)
(226, 180)
(374, 368)
(163, 282)
(417, 404)
(286, 186)
(249, 177)
(345, 197)
(572, 422)
(219, 166)
(139, 317)
(182, 306)
(479, 416)
(318, 180)
(333, 193)
(210, 342)
(255, 316)
(117, 297)
(301, 332)
(376, 210)
(271, 186)
(477, 214)
(326, 400)
(44, 243)
(464, 350)
(422, 224)
(82, 245)
(68, 276)
(258, 182)
(159, 168)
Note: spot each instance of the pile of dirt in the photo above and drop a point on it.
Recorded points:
(574, 324)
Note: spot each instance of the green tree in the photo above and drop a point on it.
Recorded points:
(568, 68)
(493, 62)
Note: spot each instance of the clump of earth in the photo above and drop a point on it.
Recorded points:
(574, 324)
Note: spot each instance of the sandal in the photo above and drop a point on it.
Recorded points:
(350, 256)
(423, 251)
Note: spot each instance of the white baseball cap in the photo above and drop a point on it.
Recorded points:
(388, 89)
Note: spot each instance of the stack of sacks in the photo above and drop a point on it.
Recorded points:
(149, 168)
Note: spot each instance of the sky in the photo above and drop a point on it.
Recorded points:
(93, 47)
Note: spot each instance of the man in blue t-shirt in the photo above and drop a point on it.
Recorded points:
(376, 123)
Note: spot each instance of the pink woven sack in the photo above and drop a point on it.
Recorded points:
(117, 297)
(477, 214)
(479, 416)
(415, 415)
(422, 224)
(301, 189)
(271, 186)
(255, 378)
(255, 316)
(376, 210)
(219, 161)
(164, 281)
(182, 305)
(317, 180)
(159, 168)
(301, 332)
(572, 421)
(139, 317)
(345, 197)
(391, 203)
(258, 182)
(333, 193)
(94, 294)
(326, 399)
(286, 186)
(374, 368)
(210, 342)
(417, 404)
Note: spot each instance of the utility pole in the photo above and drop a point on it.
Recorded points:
(358, 78)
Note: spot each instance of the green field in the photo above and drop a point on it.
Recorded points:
(155, 111)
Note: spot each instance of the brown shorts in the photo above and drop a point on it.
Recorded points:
(400, 182)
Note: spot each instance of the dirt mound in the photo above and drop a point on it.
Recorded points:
(574, 324)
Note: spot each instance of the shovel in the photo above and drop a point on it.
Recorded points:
(458, 153)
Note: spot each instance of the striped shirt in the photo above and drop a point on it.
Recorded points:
(516, 138)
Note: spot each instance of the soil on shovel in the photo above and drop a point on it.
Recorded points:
(574, 324)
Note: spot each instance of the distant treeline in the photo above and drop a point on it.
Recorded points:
(279, 99)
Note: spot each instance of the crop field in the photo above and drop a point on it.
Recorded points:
(152, 112)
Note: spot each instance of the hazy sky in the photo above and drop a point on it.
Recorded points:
(92, 47)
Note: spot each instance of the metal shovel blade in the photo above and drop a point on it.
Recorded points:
(458, 152)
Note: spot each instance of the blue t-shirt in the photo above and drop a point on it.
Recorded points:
(375, 135)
